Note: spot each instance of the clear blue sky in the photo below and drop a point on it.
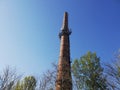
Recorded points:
(29, 31)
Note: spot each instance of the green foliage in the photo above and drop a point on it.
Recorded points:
(88, 73)
(18, 86)
(28, 83)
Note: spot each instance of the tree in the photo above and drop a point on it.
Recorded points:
(88, 73)
(47, 81)
(8, 78)
(113, 72)
(28, 83)
(18, 86)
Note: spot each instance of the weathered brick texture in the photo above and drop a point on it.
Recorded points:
(64, 80)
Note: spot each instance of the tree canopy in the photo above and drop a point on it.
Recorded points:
(88, 73)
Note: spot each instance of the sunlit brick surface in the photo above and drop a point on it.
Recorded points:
(64, 80)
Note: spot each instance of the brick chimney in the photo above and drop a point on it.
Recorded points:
(64, 80)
